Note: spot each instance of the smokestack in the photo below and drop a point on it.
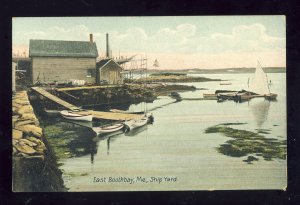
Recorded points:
(107, 47)
(91, 38)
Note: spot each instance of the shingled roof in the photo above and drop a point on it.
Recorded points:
(55, 48)
(102, 63)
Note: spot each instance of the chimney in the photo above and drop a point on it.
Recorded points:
(107, 47)
(91, 38)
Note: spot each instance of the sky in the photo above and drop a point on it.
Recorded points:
(177, 42)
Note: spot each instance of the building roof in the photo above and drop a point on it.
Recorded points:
(102, 63)
(55, 48)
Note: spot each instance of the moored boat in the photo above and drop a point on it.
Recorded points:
(271, 96)
(108, 128)
(259, 84)
(77, 115)
(132, 124)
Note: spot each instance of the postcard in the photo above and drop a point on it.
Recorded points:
(158, 103)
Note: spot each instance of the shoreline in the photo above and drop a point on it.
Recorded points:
(34, 164)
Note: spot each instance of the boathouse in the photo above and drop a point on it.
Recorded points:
(55, 61)
(109, 71)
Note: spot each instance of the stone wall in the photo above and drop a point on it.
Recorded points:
(34, 165)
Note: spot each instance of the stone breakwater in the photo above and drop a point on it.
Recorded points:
(34, 165)
(27, 135)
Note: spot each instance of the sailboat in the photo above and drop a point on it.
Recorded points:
(156, 64)
(259, 84)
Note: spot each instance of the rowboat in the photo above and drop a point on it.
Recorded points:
(132, 124)
(136, 131)
(108, 128)
(77, 115)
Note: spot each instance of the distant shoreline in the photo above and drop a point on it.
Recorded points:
(219, 71)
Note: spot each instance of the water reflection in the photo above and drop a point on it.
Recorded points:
(108, 137)
(137, 130)
(260, 111)
(70, 139)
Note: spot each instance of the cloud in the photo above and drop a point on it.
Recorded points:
(244, 38)
(78, 32)
(243, 41)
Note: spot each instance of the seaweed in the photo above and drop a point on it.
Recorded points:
(250, 159)
(246, 143)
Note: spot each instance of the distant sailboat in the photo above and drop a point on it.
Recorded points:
(156, 64)
(259, 84)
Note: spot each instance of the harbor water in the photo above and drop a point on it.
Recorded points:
(176, 152)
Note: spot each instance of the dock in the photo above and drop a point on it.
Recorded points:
(96, 114)
(87, 87)
(53, 98)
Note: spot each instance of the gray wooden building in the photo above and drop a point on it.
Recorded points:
(109, 71)
(61, 61)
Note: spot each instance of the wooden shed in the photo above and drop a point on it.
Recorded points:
(109, 71)
(62, 61)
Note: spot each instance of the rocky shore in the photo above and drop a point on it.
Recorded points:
(34, 166)
(125, 94)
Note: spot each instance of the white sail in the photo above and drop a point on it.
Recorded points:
(156, 64)
(259, 83)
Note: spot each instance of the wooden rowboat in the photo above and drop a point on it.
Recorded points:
(132, 124)
(108, 128)
(77, 115)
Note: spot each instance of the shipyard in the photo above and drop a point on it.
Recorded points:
(112, 102)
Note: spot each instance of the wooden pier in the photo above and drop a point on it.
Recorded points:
(87, 87)
(96, 114)
(53, 98)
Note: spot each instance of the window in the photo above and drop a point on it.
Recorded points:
(90, 73)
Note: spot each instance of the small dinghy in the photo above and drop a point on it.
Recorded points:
(108, 128)
(77, 115)
(132, 124)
